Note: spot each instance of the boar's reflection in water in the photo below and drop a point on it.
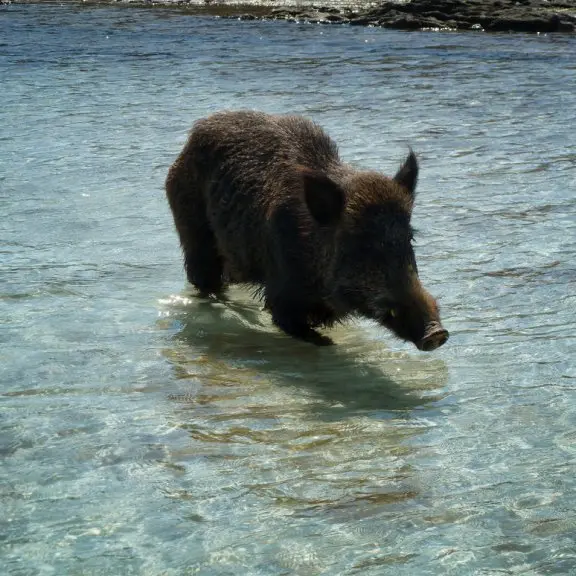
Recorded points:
(265, 200)
(226, 345)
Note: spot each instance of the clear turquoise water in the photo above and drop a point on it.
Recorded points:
(143, 431)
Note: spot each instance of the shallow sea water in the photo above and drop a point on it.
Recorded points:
(144, 431)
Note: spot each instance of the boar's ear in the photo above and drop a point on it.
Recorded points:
(407, 176)
(324, 198)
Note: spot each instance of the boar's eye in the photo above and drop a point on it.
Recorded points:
(389, 313)
(392, 312)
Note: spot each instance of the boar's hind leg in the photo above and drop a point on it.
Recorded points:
(202, 261)
(291, 317)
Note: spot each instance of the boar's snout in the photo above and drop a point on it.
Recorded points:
(434, 337)
(415, 318)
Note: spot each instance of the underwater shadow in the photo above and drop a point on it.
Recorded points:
(357, 374)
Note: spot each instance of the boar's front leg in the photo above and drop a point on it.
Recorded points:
(286, 290)
(291, 315)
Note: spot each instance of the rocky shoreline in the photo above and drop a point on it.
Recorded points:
(533, 16)
(529, 16)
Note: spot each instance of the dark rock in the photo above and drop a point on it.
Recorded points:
(552, 24)
(361, 21)
(410, 22)
(405, 23)
(327, 10)
(438, 15)
(334, 18)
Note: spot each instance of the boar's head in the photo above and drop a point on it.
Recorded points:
(373, 271)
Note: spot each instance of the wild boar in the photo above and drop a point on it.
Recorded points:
(265, 200)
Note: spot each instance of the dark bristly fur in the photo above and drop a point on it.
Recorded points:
(265, 200)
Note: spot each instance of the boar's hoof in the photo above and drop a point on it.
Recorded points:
(307, 334)
(435, 337)
(311, 336)
(319, 339)
(298, 329)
